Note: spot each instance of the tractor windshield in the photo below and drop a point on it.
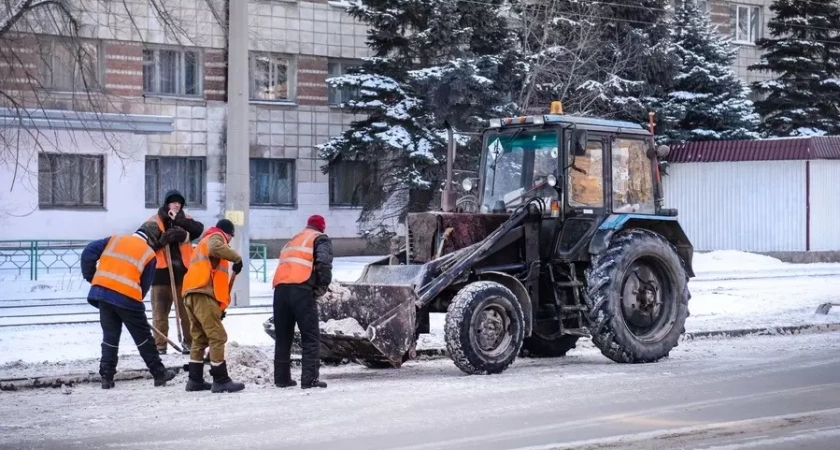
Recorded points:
(516, 165)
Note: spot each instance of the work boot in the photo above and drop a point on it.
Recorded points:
(221, 380)
(316, 383)
(163, 375)
(107, 382)
(196, 382)
(283, 375)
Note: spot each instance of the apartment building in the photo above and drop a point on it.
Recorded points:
(103, 173)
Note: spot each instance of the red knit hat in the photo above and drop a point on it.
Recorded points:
(317, 222)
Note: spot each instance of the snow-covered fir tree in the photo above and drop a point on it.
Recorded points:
(708, 100)
(434, 62)
(803, 56)
(637, 53)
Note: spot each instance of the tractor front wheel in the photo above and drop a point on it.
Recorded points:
(637, 294)
(484, 328)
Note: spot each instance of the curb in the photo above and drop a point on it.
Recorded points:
(57, 381)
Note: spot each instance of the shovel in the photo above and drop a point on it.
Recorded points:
(825, 308)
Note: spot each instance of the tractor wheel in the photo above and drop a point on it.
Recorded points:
(484, 328)
(637, 294)
(553, 348)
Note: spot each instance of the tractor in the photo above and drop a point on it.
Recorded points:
(569, 240)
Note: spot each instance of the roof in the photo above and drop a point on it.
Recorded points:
(777, 149)
(88, 121)
(592, 121)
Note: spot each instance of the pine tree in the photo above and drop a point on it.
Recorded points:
(803, 56)
(435, 62)
(708, 100)
(636, 39)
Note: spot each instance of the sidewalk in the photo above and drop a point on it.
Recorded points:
(734, 292)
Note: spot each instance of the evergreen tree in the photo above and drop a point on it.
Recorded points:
(708, 101)
(803, 55)
(635, 40)
(435, 62)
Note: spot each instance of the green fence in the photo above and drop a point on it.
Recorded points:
(39, 257)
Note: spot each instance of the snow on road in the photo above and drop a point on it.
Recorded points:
(732, 290)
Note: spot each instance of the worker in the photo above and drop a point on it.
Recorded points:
(178, 230)
(303, 274)
(118, 286)
(206, 296)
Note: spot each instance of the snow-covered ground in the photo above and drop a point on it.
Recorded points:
(732, 290)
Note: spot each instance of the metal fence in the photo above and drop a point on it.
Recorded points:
(39, 257)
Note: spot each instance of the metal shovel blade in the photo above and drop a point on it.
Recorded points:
(824, 308)
(372, 322)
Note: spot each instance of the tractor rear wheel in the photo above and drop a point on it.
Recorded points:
(637, 294)
(484, 328)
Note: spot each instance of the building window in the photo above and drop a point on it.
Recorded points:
(69, 65)
(70, 180)
(172, 72)
(271, 77)
(346, 179)
(336, 95)
(745, 23)
(272, 182)
(186, 175)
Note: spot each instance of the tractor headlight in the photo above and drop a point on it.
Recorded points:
(663, 151)
(467, 184)
(551, 180)
(495, 123)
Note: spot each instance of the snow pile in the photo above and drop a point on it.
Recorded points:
(248, 364)
(733, 260)
(346, 327)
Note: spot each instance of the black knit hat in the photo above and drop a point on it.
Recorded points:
(226, 226)
(174, 196)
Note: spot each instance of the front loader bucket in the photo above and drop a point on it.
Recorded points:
(374, 319)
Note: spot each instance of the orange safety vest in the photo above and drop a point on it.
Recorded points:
(185, 247)
(202, 272)
(121, 265)
(297, 259)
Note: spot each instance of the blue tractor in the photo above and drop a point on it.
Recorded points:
(569, 240)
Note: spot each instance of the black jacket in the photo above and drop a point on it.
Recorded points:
(322, 270)
(191, 226)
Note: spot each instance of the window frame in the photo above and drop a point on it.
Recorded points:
(80, 204)
(333, 93)
(52, 41)
(292, 171)
(569, 185)
(644, 143)
(332, 183)
(191, 203)
(181, 72)
(754, 11)
(291, 76)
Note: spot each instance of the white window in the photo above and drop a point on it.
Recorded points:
(271, 77)
(745, 23)
(164, 174)
(338, 96)
(172, 72)
(70, 181)
(272, 182)
(69, 65)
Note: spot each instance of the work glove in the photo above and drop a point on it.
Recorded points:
(320, 291)
(180, 218)
(174, 235)
(237, 267)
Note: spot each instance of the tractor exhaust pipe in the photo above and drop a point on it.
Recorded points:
(447, 198)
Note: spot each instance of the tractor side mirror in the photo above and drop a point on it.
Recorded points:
(579, 138)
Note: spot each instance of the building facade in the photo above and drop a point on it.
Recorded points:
(84, 185)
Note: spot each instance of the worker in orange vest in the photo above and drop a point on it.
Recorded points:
(303, 273)
(118, 285)
(178, 230)
(206, 296)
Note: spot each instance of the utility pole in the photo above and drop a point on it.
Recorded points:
(237, 175)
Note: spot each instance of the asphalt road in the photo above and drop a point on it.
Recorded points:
(773, 392)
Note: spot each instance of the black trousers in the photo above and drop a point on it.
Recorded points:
(296, 304)
(112, 319)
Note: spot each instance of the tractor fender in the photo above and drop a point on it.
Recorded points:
(518, 290)
(667, 226)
